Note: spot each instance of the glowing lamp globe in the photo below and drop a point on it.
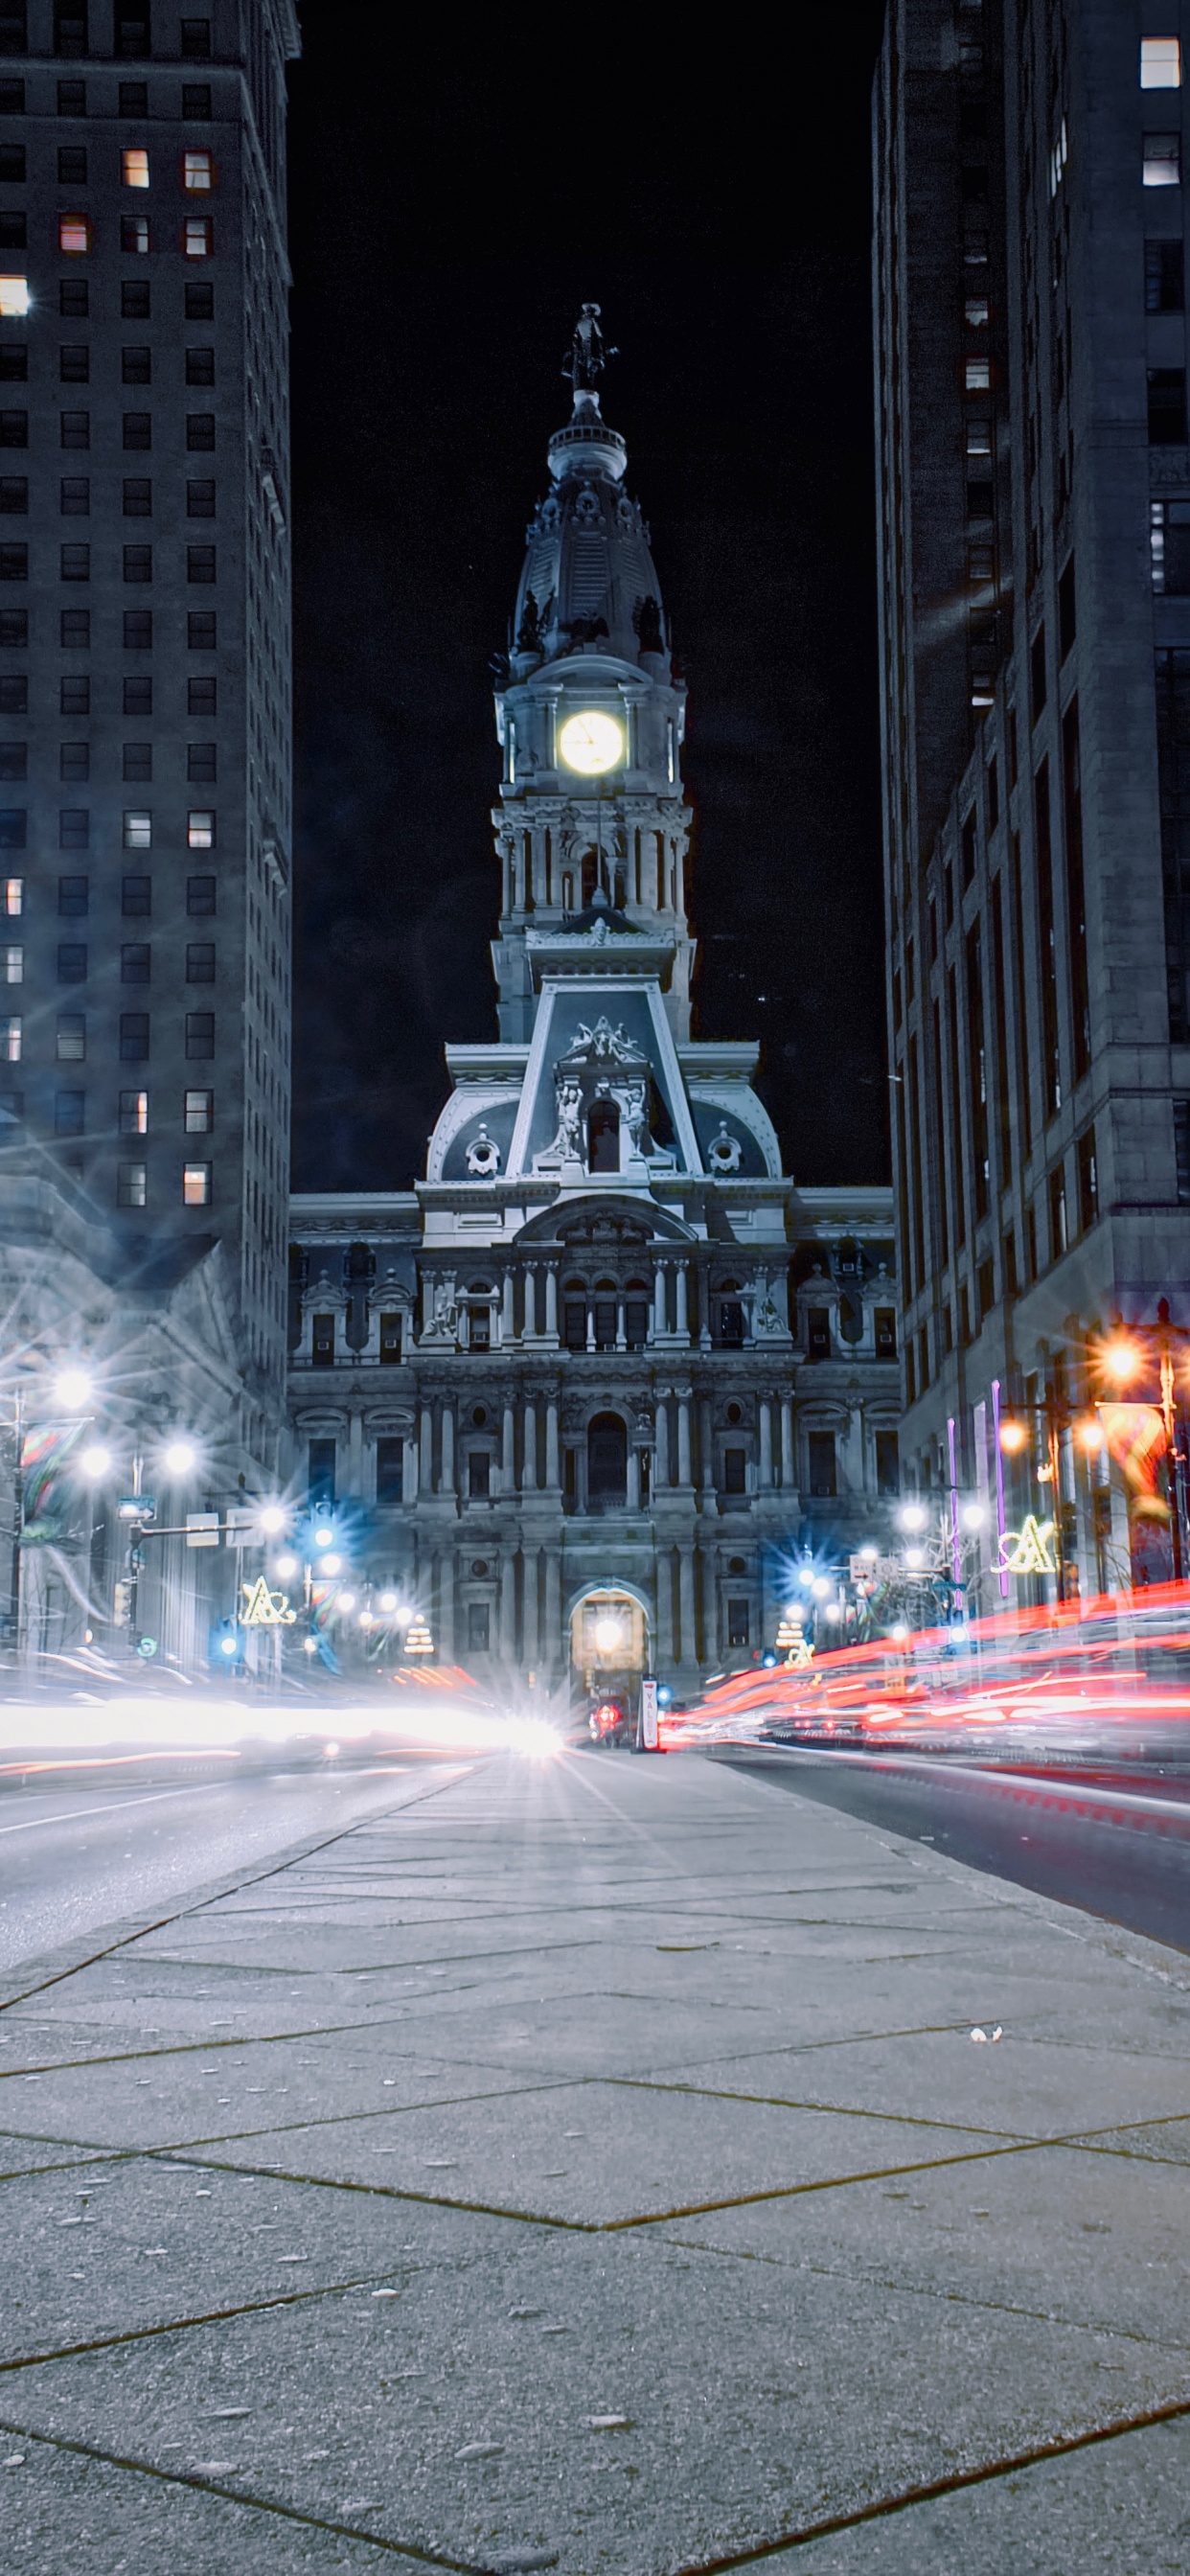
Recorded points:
(591, 742)
(607, 1635)
(72, 1386)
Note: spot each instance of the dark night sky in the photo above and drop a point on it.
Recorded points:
(450, 210)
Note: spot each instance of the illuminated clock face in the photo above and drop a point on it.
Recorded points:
(591, 742)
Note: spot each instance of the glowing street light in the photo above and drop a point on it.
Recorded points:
(1089, 1435)
(1014, 1436)
(345, 1601)
(1121, 1358)
(324, 1535)
(388, 1603)
(286, 1567)
(915, 1558)
(332, 1564)
(72, 1388)
(608, 1635)
(973, 1516)
(180, 1457)
(913, 1516)
(95, 1461)
(272, 1519)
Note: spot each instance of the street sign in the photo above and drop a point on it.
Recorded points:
(242, 1526)
(137, 1507)
(648, 1715)
(202, 1529)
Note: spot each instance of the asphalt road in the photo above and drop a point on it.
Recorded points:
(1115, 1853)
(74, 1860)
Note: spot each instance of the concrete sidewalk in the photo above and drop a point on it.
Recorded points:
(590, 2165)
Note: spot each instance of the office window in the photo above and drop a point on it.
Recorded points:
(138, 496)
(74, 496)
(72, 97)
(134, 166)
(135, 243)
(198, 171)
(200, 962)
(12, 964)
(70, 28)
(196, 47)
(888, 1463)
(75, 428)
(201, 763)
(200, 563)
(138, 761)
(200, 831)
(74, 828)
(74, 895)
(134, 1036)
(74, 762)
(74, 363)
(134, 1113)
(198, 1112)
(138, 697)
(200, 366)
(1088, 1181)
(14, 693)
(1181, 1146)
(200, 896)
(390, 1335)
(14, 366)
(14, 761)
(1162, 160)
(201, 697)
(138, 630)
(1160, 62)
(1165, 279)
(735, 1471)
(132, 1185)
(200, 630)
(821, 1463)
(72, 961)
(14, 496)
(72, 1037)
(200, 434)
(136, 366)
(1057, 1207)
(479, 1485)
(12, 162)
(138, 563)
(136, 896)
(138, 429)
(1167, 406)
(198, 239)
(196, 95)
(135, 300)
(322, 1475)
(200, 500)
(76, 563)
(1169, 547)
(196, 1184)
(13, 824)
(14, 39)
(74, 235)
(14, 428)
(12, 231)
(322, 1340)
(14, 563)
(136, 959)
(138, 831)
(10, 1040)
(69, 1112)
(133, 44)
(200, 1035)
(737, 1624)
(199, 301)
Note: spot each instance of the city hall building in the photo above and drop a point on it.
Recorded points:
(605, 1366)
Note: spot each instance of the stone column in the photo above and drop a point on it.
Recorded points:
(688, 1641)
(708, 1446)
(682, 1326)
(508, 1453)
(425, 1475)
(685, 1467)
(355, 1456)
(661, 1459)
(557, 1647)
(766, 1444)
(590, 1327)
(621, 1325)
(508, 1605)
(530, 1305)
(633, 1478)
(445, 1639)
(659, 1306)
(551, 1302)
(665, 1608)
(409, 1473)
(529, 1469)
(508, 1317)
(446, 1481)
(553, 1469)
(710, 1610)
(788, 1478)
(532, 1638)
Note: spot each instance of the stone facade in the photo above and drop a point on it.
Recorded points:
(606, 1350)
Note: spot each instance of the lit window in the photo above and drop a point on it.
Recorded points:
(196, 1184)
(200, 832)
(13, 896)
(1160, 62)
(134, 1113)
(134, 168)
(14, 297)
(10, 1041)
(197, 237)
(199, 1112)
(138, 831)
(977, 375)
(74, 237)
(197, 170)
(132, 1185)
(72, 1037)
(1162, 160)
(134, 235)
(976, 310)
(12, 965)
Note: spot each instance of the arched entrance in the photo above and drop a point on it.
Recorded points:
(609, 1645)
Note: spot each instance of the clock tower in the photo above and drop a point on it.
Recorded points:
(592, 825)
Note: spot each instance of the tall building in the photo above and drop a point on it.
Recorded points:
(145, 708)
(591, 1384)
(1034, 531)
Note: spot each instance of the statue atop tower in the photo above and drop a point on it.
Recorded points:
(586, 357)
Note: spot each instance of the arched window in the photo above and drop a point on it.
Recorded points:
(574, 1314)
(731, 1316)
(607, 1460)
(603, 1136)
(636, 1314)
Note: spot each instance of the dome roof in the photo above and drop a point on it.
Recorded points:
(588, 575)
